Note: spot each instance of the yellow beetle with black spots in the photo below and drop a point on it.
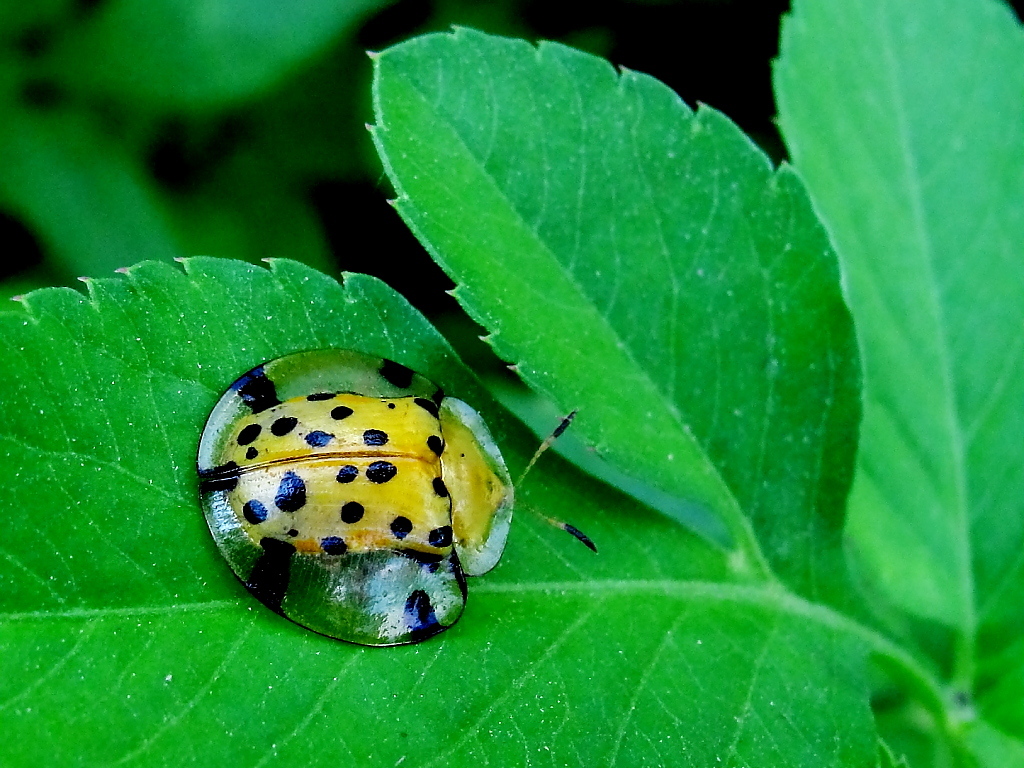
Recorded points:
(351, 496)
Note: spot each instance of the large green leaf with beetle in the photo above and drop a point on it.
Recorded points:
(634, 259)
(126, 634)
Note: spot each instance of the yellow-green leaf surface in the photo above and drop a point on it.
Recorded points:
(906, 120)
(126, 640)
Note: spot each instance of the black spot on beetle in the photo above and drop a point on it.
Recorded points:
(352, 512)
(291, 493)
(427, 405)
(375, 437)
(381, 471)
(256, 390)
(334, 545)
(249, 433)
(254, 512)
(430, 560)
(391, 406)
(268, 580)
(341, 412)
(440, 488)
(440, 537)
(320, 396)
(436, 444)
(318, 439)
(396, 374)
(251, 453)
(347, 474)
(401, 527)
(293, 532)
(284, 425)
(419, 613)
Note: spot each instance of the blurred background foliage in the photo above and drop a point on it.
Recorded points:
(150, 129)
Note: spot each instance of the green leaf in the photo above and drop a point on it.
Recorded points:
(127, 640)
(886, 758)
(312, 127)
(244, 211)
(905, 120)
(88, 201)
(646, 265)
(23, 282)
(991, 748)
(19, 18)
(200, 54)
(1001, 680)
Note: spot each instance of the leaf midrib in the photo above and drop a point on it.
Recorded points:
(964, 664)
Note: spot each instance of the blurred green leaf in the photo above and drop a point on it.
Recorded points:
(913, 737)
(193, 55)
(886, 759)
(991, 748)
(127, 640)
(905, 120)
(86, 199)
(17, 19)
(312, 126)
(1001, 680)
(643, 264)
(248, 211)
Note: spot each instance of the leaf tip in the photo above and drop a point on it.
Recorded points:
(85, 280)
(373, 55)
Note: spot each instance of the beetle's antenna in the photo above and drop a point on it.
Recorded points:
(570, 529)
(573, 531)
(564, 425)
